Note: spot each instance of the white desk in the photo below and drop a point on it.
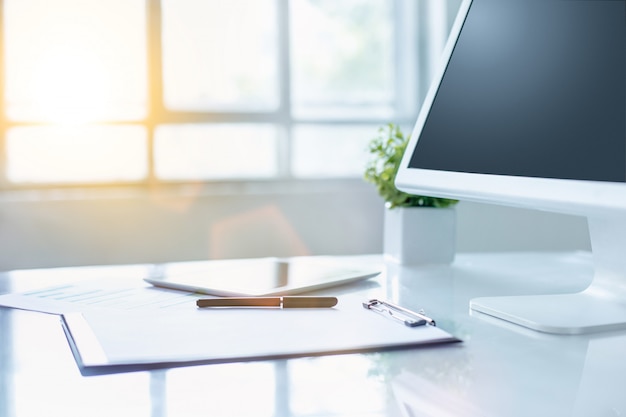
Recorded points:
(499, 370)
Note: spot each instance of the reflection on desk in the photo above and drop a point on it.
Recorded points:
(499, 370)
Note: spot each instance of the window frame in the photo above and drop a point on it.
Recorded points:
(407, 16)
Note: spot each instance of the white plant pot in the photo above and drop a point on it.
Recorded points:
(420, 235)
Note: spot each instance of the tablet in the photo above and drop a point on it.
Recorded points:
(260, 276)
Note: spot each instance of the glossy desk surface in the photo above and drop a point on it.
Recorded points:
(499, 370)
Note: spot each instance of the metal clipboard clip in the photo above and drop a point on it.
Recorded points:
(405, 316)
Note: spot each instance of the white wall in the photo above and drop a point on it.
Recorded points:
(483, 227)
(160, 227)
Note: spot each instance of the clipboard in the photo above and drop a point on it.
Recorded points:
(114, 341)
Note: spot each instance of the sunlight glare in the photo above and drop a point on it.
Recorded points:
(70, 86)
(74, 153)
(75, 61)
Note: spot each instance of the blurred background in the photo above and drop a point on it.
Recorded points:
(140, 131)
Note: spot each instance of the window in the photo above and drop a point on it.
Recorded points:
(173, 91)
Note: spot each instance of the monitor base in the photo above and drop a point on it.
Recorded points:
(578, 313)
(599, 308)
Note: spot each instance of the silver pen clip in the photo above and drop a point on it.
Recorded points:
(405, 316)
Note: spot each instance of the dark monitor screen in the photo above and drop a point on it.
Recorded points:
(533, 88)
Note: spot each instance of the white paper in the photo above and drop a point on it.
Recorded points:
(98, 295)
(128, 324)
(213, 335)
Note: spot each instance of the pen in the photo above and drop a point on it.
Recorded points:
(280, 302)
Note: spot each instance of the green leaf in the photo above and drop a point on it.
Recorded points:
(386, 151)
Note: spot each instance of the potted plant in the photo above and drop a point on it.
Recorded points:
(417, 229)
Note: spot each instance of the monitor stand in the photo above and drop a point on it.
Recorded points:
(599, 308)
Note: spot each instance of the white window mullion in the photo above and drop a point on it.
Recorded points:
(406, 55)
(284, 148)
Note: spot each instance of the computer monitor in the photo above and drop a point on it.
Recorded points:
(528, 109)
